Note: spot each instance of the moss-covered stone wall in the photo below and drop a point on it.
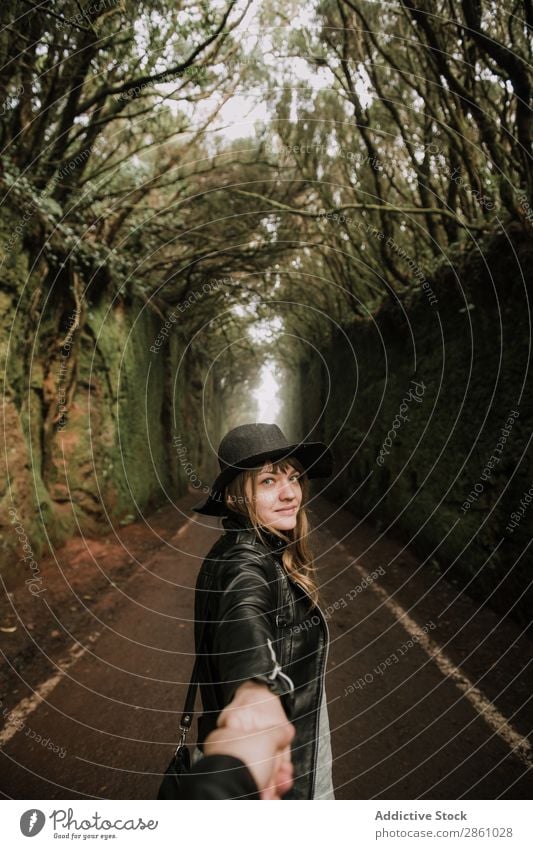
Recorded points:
(431, 416)
(92, 411)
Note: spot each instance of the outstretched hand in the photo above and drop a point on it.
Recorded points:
(266, 753)
(254, 707)
(256, 724)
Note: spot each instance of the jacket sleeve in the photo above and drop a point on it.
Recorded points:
(243, 634)
(218, 777)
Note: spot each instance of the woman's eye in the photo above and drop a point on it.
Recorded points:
(296, 476)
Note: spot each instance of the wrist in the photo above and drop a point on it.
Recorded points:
(255, 682)
(255, 685)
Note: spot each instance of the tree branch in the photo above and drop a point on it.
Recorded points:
(394, 210)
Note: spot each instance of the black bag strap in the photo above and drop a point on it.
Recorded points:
(188, 710)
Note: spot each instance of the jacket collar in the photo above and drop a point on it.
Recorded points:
(238, 521)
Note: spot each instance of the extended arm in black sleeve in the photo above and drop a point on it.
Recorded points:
(219, 777)
(243, 635)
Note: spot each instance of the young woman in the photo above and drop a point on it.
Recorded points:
(265, 640)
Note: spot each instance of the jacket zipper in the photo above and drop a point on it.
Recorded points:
(322, 677)
(322, 684)
(277, 670)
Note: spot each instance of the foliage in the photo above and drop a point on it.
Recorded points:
(415, 124)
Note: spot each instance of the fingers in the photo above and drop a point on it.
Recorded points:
(240, 715)
(231, 719)
(285, 778)
(244, 718)
(254, 727)
(279, 784)
(265, 752)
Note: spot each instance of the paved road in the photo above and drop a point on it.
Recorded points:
(429, 695)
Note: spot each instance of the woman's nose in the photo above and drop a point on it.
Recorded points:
(289, 491)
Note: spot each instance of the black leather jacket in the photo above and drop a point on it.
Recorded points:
(259, 625)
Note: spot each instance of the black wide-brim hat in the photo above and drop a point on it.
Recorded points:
(250, 445)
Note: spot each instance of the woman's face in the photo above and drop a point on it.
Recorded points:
(278, 497)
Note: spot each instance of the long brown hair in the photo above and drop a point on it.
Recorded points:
(297, 557)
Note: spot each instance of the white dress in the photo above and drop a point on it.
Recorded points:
(323, 780)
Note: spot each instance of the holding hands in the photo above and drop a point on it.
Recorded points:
(254, 728)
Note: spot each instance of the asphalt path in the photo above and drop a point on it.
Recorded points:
(429, 693)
